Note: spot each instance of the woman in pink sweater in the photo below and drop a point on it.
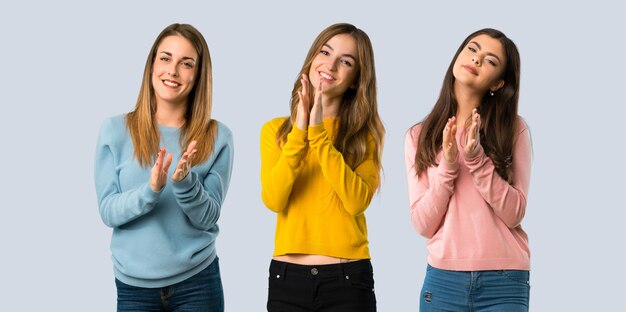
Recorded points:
(468, 169)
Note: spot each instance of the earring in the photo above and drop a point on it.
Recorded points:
(491, 92)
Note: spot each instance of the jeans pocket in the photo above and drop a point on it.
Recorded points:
(363, 280)
(518, 276)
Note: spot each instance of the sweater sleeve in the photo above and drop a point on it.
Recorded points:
(355, 187)
(116, 207)
(201, 198)
(280, 166)
(428, 197)
(508, 201)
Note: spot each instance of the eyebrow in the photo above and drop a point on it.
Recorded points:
(184, 57)
(346, 55)
(488, 53)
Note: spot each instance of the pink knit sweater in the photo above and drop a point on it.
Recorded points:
(470, 215)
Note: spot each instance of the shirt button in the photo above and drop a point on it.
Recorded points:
(314, 271)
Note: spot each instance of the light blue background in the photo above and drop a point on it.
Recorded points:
(65, 67)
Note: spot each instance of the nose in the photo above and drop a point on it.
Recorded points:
(332, 64)
(476, 60)
(172, 70)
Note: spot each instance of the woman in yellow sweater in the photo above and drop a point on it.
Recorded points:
(319, 170)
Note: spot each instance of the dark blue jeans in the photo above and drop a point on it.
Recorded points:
(201, 292)
(345, 287)
(479, 291)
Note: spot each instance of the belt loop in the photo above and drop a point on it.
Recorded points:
(341, 271)
(283, 269)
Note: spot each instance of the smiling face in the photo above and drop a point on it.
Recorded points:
(174, 70)
(335, 66)
(480, 64)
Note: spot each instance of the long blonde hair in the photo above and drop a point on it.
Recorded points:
(198, 126)
(358, 113)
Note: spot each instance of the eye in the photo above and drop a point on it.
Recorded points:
(325, 52)
(472, 49)
(164, 59)
(188, 64)
(492, 62)
(347, 63)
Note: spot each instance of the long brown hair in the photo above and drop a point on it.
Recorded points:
(358, 113)
(498, 113)
(198, 126)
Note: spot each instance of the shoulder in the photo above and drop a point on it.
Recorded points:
(224, 134)
(412, 133)
(273, 125)
(113, 129)
(521, 124)
(114, 123)
(223, 129)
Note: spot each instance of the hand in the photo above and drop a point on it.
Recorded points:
(317, 113)
(473, 136)
(302, 113)
(449, 147)
(184, 164)
(158, 174)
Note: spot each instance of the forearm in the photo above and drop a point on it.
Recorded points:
(280, 166)
(428, 198)
(508, 200)
(201, 198)
(355, 187)
(119, 208)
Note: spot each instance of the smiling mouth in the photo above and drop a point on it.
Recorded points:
(326, 76)
(171, 84)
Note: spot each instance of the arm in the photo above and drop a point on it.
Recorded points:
(429, 202)
(355, 187)
(201, 198)
(508, 201)
(280, 167)
(116, 207)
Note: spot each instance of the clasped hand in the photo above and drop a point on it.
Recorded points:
(158, 174)
(303, 117)
(449, 145)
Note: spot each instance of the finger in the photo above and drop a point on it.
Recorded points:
(191, 146)
(303, 106)
(191, 154)
(305, 84)
(168, 162)
(318, 96)
(159, 160)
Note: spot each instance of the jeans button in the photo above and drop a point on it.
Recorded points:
(314, 271)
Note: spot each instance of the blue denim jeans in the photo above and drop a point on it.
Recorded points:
(201, 292)
(480, 291)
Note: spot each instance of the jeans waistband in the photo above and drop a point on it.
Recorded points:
(322, 270)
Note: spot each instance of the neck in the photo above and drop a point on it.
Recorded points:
(171, 115)
(467, 99)
(331, 106)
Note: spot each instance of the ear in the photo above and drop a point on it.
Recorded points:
(497, 86)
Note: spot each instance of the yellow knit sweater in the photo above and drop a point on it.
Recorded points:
(319, 199)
